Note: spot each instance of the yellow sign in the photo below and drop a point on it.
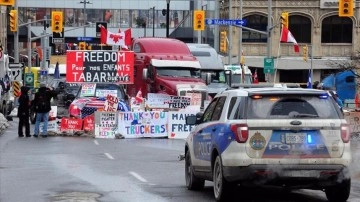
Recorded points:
(16, 87)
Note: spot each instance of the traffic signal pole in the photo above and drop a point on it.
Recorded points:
(16, 37)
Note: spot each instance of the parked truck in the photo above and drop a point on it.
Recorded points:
(237, 76)
(212, 67)
(7, 97)
(164, 65)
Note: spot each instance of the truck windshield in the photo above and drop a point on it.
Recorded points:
(236, 78)
(216, 76)
(178, 72)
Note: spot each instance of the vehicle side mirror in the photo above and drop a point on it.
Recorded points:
(199, 115)
(228, 77)
(208, 78)
(145, 74)
(190, 120)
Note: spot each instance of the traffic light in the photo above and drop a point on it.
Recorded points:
(285, 19)
(13, 20)
(57, 21)
(305, 53)
(223, 42)
(7, 2)
(199, 20)
(346, 8)
(82, 46)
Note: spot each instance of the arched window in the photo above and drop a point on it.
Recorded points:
(257, 22)
(300, 27)
(336, 29)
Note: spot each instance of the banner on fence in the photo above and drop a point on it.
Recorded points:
(177, 126)
(105, 124)
(71, 124)
(143, 124)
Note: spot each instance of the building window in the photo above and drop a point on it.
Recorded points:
(336, 30)
(300, 27)
(257, 22)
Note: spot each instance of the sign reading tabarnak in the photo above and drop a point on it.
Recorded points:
(100, 67)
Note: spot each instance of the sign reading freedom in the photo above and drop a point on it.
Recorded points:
(100, 67)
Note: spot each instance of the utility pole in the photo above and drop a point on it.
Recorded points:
(216, 34)
(29, 45)
(268, 30)
(85, 16)
(230, 34)
(240, 31)
(16, 36)
(198, 32)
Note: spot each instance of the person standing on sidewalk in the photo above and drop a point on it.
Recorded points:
(42, 107)
(24, 112)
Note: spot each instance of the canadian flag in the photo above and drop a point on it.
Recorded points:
(120, 39)
(286, 36)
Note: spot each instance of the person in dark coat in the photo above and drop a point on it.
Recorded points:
(44, 94)
(24, 112)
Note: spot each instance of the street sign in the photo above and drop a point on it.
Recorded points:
(208, 21)
(29, 80)
(17, 74)
(98, 29)
(43, 72)
(85, 38)
(269, 66)
(16, 65)
(58, 40)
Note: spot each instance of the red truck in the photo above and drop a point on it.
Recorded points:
(165, 65)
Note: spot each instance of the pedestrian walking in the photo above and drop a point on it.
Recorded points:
(42, 107)
(24, 112)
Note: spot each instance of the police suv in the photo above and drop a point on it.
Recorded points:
(282, 136)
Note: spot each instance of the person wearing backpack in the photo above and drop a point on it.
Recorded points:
(24, 112)
(42, 107)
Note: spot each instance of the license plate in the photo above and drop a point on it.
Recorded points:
(300, 173)
(295, 138)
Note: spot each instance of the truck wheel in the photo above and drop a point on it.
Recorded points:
(222, 188)
(192, 182)
(339, 192)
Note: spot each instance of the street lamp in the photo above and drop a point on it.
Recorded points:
(84, 2)
(153, 8)
(167, 17)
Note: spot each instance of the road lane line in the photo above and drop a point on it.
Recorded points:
(96, 142)
(108, 155)
(137, 176)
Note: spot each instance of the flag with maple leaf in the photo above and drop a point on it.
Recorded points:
(120, 39)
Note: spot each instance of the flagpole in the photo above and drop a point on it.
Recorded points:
(278, 54)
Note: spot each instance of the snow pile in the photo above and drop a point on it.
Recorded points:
(4, 124)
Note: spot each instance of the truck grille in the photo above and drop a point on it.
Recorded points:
(203, 95)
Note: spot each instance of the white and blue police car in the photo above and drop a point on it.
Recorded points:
(287, 137)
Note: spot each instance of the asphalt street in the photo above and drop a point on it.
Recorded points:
(83, 169)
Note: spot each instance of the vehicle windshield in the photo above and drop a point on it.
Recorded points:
(216, 76)
(292, 106)
(178, 72)
(236, 79)
(101, 90)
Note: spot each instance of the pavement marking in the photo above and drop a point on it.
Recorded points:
(108, 155)
(137, 176)
(96, 142)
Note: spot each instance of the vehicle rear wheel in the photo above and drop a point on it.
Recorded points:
(192, 182)
(339, 192)
(222, 188)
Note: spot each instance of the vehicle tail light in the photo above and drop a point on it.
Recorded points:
(241, 132)
(345, 133)
(74, 110)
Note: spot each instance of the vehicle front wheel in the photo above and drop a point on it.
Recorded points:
(339, 192)
(192, 182)
(222, 188)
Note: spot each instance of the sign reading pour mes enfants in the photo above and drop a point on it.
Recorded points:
(100, 67)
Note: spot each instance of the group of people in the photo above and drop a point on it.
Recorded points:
(41, 106)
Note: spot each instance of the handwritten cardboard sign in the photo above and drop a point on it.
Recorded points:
(142, 124)
(111, 103)
(177, 126)
(106, 126)
(89, 123)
